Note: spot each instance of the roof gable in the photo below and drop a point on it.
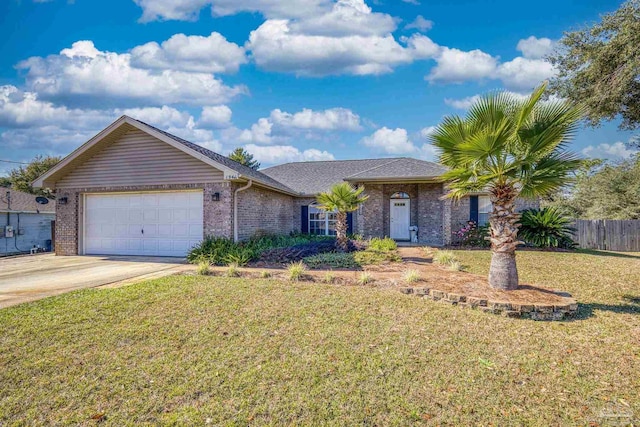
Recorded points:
(231, 170)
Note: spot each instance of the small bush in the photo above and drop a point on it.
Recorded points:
(546, 228)
(473, 235)
(456, 266)
(232, 270)
(382, 245)
(411, 276)
(265, 274)
(296, 270)
(429, 251)
(329, 277)
(444, 257)
(240, 257)
(365, 278)
(203, 268)
(332, 260)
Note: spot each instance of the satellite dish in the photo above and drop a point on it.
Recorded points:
(42, 200)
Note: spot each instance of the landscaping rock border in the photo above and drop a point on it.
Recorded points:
(508, 309)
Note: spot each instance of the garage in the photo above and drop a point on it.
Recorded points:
(148, 224)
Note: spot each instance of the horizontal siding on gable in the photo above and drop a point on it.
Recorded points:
(139, 159)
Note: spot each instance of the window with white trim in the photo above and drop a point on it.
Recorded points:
(484, 209)
(321, 222)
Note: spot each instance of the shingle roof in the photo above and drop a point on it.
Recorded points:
(23, 202)
(243, 170)
(314, 177)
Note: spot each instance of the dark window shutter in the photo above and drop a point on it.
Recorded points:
(350, 223)
(473, 208)
(304, 219)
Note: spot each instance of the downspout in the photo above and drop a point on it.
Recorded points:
(235, 208)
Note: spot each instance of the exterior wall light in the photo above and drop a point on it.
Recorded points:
(62, 201)
(215, 197)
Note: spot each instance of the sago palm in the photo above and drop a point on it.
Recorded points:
(510, 148)
(342, 198)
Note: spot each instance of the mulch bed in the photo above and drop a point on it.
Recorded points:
(440, 284)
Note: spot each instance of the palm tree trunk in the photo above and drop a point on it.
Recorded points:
(341, 231)
(503, 273)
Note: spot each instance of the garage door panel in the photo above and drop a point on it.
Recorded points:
(172, 223)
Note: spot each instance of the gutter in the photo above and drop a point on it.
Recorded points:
(235, 208)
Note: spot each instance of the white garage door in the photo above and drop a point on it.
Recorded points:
(158, 224)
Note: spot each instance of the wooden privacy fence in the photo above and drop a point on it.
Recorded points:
(608, 234)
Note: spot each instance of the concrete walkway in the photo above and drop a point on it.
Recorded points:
(29, 278)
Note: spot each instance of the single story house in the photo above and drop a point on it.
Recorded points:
(134, 189)
(24, 223)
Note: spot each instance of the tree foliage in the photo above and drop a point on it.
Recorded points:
(20, 178)
(342, 198)
(604, 191)
(510, 148)
(599, 67)
(243, 157)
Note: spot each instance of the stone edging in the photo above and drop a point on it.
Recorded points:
(507, 309)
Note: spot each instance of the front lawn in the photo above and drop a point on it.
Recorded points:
(194, 350)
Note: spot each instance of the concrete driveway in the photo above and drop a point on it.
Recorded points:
(28, 278)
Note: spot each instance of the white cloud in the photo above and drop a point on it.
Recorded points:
(217, 116)
(464, 103)
(281, 126)
(188, 10)
(346, 18)
(535, 48)
(525, 74)
(390, 141)
(163, 117)
(286, 153)
(348, 39)
(86, 75)
(414, 2)
(427, 132)
(616, 151)
(212, 54)
(326, 120)
(456, 66)
(420, 23)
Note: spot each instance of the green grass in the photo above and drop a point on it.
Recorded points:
(191, 350)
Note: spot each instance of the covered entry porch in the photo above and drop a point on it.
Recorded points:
(394, 207)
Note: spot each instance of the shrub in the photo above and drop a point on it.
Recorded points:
(232, 270)
(296, 270)
(297, 252)
(411, 276)
(456, 266)
(546, 228)
(221, 251)
(444, 257)
(473, 235)
(382, 245)
(203, 268)
(265, 274)
(369, 257)
(329, 277)
(240, 257)
(365, 278)
(332, 260)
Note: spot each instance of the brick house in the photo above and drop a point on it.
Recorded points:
(134, 189)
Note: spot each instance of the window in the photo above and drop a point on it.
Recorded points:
(321, 222)
(399, 195)
(484, 209)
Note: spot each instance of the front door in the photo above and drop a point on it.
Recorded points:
(399, 216)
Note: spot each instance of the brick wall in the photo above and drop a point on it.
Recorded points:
(431, 214)
(370, 220)
(266, 211)
(218, 216)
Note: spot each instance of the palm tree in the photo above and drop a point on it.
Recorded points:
(510, 148)
(342, 198)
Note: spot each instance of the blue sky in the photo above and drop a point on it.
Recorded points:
(290, 80)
